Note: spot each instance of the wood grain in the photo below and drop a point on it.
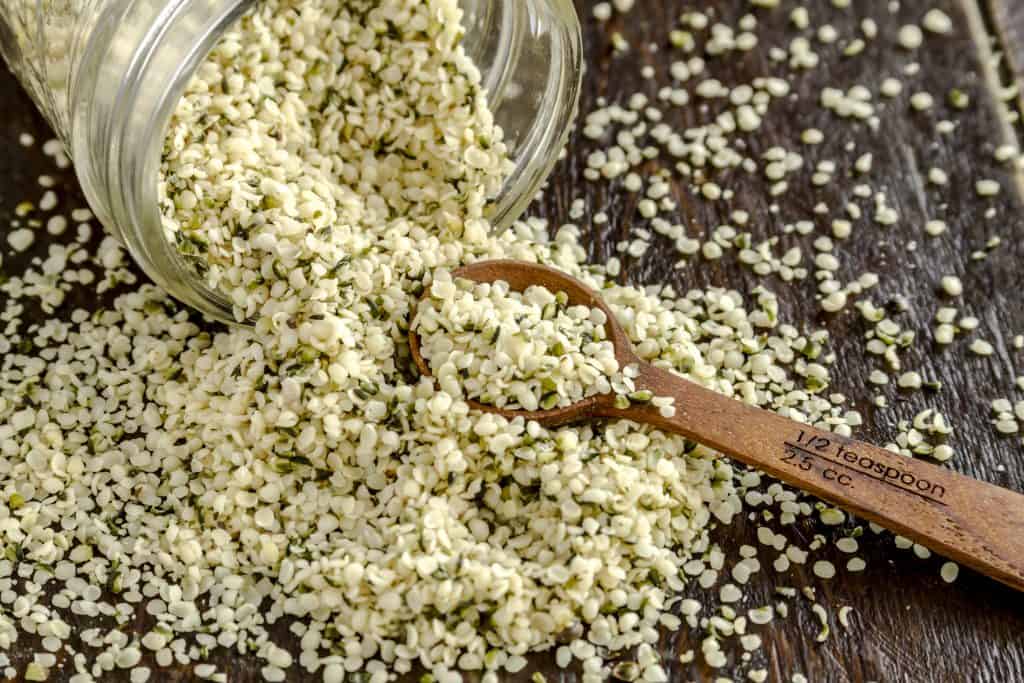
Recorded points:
(907, 626)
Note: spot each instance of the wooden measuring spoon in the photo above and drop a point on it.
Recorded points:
(976, 524)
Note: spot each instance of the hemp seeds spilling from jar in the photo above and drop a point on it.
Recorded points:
(330, 162)
(317, 135)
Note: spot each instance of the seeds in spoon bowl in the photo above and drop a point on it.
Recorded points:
(530, 350)
(525, 350)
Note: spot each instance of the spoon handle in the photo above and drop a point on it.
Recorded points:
(976, 524)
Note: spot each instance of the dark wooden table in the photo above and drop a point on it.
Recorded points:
(907, 625)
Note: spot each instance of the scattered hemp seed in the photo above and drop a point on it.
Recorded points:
(750, 642)
(909, 380)
(48, 202)
(812, 136)
(968, 323)
(832, 516)
(1007, 426)
(56, 225)
(847, 545)
(21, 239)
(921, 101)
(855, 564)
(937, 21)
(81, 215)
(958, 99)
(910, 37)
(827, 34)
(1005, 153)
(982, 347)
(949, 572)
(730, 593)
(800, 18)
(891, 87)
(951, 285)
(824, 569)
(942, 453)
(987, 188)
(1001, 405)
(854, 47)
(36, 672)
(936, 176)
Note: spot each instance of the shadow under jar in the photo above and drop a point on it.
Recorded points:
(108, 75)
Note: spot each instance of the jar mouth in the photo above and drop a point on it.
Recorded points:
(533, 79)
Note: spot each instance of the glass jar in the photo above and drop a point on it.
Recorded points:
(108, 74)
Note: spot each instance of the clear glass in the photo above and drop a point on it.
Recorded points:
(107, 74)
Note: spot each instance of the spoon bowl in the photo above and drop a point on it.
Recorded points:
(520, 276)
